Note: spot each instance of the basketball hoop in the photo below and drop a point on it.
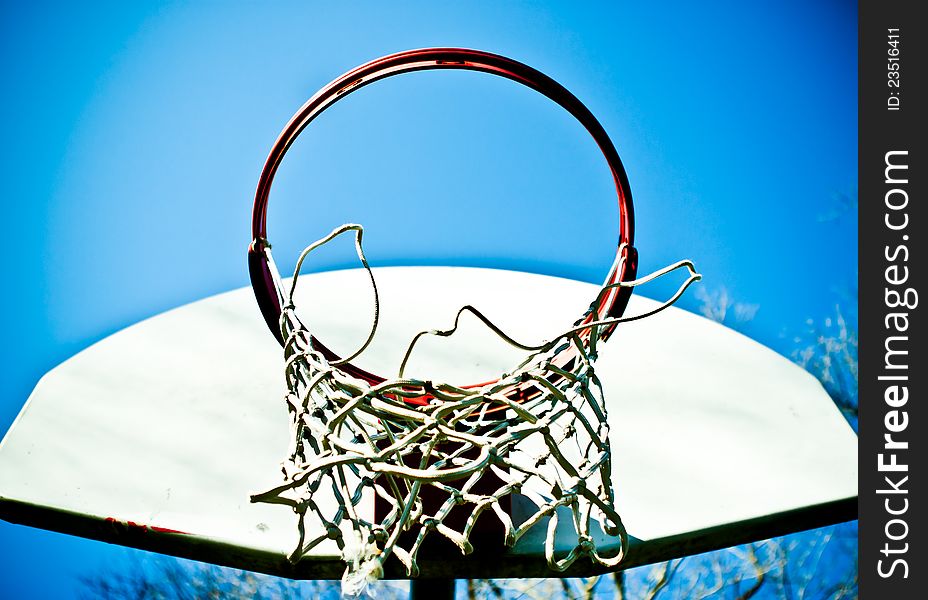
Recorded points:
(424, 449)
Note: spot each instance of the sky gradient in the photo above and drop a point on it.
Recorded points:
(135, 134)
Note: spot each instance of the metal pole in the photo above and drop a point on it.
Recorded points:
(431, 589)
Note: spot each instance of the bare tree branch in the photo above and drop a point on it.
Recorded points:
(619, 579)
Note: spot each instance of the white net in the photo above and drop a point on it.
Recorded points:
(529, 449)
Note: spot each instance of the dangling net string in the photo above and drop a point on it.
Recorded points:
(359, 248)
(539, 432)
(692, 278)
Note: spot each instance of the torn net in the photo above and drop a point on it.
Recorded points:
(537, 439)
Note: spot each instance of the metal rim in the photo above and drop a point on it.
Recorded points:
(265, 279)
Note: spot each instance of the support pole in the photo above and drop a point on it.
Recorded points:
(431, 589)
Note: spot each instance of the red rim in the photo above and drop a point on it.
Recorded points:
(265, 279)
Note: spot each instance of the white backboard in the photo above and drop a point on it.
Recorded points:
(157, 436)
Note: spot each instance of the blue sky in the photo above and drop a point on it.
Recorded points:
(135, 134)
